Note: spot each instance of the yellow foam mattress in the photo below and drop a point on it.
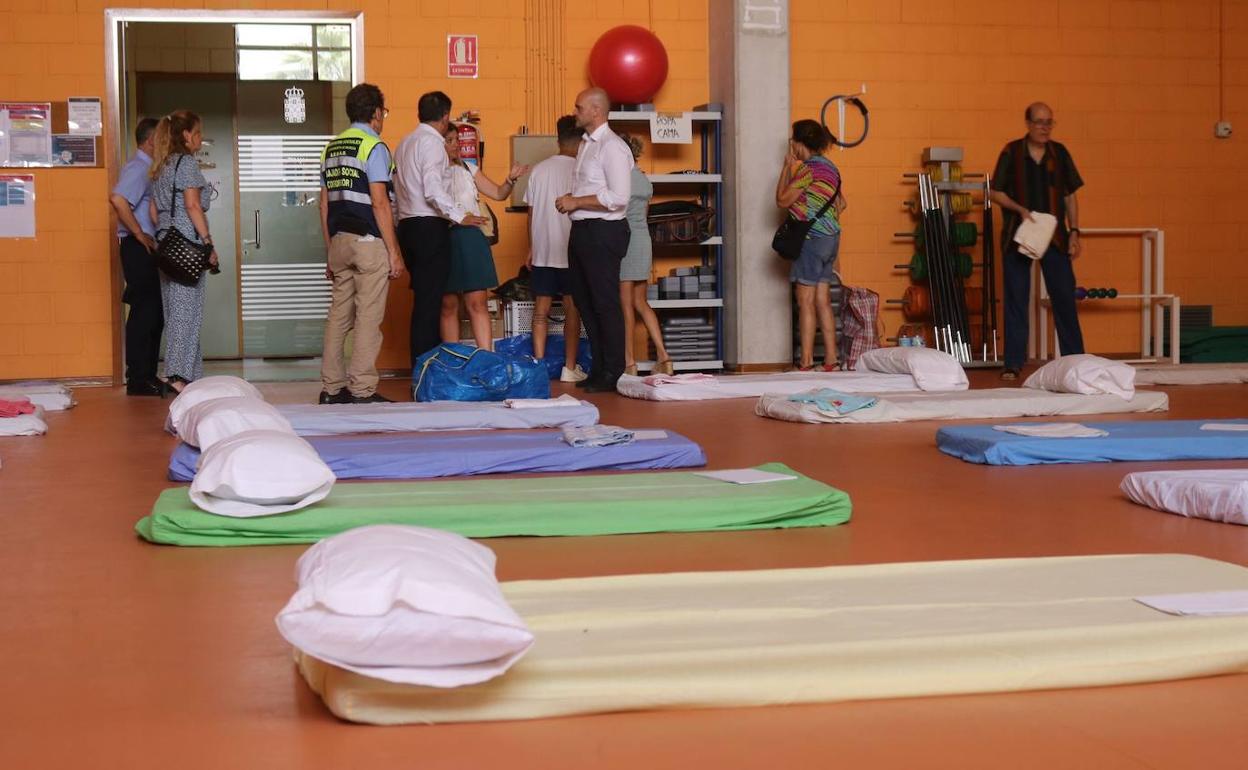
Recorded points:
(771, 637)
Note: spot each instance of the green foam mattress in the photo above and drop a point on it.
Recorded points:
(553, 505)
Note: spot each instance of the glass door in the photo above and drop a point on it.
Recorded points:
(292, 80)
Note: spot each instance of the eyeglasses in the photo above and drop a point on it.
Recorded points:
(1043, 123)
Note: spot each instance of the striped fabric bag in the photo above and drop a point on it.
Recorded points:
(861, 327)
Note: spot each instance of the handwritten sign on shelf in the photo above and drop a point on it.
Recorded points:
(669, 128)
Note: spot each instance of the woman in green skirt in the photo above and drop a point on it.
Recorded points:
(472, 264)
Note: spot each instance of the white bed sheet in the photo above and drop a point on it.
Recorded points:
(407, 416)
(755, 385)
(24, 425)
(1191, 374)
(53, 397)
(1217, 495)
(987, 403)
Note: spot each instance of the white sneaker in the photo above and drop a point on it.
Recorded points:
(572, 375)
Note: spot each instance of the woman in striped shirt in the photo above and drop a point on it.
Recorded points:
(810, 184)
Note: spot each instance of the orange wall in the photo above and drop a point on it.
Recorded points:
(1134, 85)
(56, 302)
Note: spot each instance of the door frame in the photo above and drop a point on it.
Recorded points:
(115, 142)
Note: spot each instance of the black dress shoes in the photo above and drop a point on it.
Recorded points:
(604, 385)
(152, 387)
(341, 397)
(376, 398)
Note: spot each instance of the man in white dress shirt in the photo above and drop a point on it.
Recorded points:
(425, 210)
(599, 238)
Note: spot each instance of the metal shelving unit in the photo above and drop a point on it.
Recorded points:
(708, 125)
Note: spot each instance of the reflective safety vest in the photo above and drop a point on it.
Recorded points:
(344, 173)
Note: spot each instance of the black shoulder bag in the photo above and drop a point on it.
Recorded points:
(177, 256)
(791, 235)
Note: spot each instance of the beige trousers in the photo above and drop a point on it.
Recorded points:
(361, 271)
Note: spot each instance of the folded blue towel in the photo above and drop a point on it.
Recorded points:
(597, 435)
(829, 400)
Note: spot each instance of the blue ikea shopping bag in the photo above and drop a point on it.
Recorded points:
(455, 372)
(522, 345)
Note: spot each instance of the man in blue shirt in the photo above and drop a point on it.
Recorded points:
(358, 226)
(136, 233)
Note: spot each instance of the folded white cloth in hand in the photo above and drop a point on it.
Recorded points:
(541, 403)
(1034, 235)
(1052, 430)
(655, 380)
(597, 435)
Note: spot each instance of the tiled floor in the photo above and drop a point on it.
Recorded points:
(121, 654)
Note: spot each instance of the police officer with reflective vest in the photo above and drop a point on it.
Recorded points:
(358, 226)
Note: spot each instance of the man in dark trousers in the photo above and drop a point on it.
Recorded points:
(599, 238)
(426, 211)
(1036, 173)
(137, 236)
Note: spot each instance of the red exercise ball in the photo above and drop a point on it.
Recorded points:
(629, 63)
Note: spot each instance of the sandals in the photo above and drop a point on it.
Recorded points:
(631, 370)
(1009, 375)
(664, 367)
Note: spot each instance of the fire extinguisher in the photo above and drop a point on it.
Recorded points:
(471, 148)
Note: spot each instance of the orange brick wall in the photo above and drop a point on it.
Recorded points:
(1134, 84)
(57, 304)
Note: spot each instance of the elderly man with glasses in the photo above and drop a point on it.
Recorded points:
(1037, 174)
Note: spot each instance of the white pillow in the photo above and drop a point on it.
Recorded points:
(404, 604)
(208, 422)
(1085, 373)
(932, 369)
(206, 389)
(258, 473)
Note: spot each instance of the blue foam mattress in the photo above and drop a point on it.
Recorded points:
(1127, 442)
(432, 455)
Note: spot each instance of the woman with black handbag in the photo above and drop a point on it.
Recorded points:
(184, 252)
(810, 190)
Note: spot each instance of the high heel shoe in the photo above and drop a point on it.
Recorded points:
(631, 370)
(664, 367)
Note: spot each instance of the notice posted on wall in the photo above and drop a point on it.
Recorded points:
(68, 150)
(17, 206)
(85, 116)
(25, 134)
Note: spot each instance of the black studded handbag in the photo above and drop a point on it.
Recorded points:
(791, 235)
(177, 256)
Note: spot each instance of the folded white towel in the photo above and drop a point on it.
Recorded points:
(656, 380)
(597, 436)
(1052, 430)
(1225, 426)
(1035, 234)
(541, 403)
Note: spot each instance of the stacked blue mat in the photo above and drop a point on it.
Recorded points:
(434, 455)
(1153, 440)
